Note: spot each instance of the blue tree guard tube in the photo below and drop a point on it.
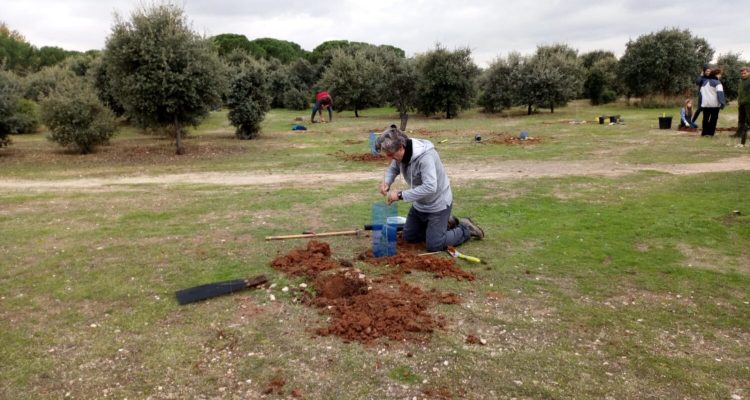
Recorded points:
(373, 138)
(384, 238)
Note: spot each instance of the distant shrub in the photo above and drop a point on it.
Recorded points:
(9, 97)
(295, 100)
(40, 84)
(25, 117)
(76, 117)
(607, 96)
(248, 101)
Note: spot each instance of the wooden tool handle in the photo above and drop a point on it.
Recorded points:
(313, 235)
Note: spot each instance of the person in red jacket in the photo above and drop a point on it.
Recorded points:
(323, 101)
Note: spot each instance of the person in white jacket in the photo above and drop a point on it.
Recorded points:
(429, 219)
(712, 100)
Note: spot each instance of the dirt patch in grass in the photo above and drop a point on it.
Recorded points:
(364, 309)
(439, 267)
(363, 157)
(515, 140)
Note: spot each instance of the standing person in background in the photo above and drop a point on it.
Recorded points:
(686, 115)
(743, 103)
(699, 81)
(429, 219)
(712, 100)
(323, 101)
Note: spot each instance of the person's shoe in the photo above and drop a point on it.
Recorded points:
(474, 230)
(452, 222)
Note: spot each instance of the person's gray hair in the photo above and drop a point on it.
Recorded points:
(745, 69)
(391, 140)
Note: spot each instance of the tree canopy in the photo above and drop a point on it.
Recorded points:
(664, 63)
(446, 81)
(162, 73)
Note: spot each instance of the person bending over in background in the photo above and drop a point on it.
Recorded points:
(743, 103)
(686, 115)
(323, 101)
(712, 100)
(429, 219)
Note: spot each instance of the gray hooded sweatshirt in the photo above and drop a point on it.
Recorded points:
(430, 189)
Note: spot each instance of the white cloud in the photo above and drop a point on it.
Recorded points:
(488, 28)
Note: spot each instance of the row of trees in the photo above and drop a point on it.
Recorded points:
(156, 72)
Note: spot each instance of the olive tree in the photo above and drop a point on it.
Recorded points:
(401, 85)
(445, 81)
(555, 76)
(663, 63)
(8, 98)
(730, 64)
(355, 81)
(76, 117)
(163, 74)
(600, 85)
(248, 99)
(499, 84)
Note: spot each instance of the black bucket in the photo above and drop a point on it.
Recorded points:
(665, 122)
(601, 120)
(614, 118)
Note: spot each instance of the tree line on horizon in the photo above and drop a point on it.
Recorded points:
(173, 79)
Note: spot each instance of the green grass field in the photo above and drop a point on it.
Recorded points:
(599, 286)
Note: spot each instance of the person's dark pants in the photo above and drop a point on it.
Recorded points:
(744, 125)
(710, 117)
(315, 109)
(741, 119)
(698, 112)
(432, 228)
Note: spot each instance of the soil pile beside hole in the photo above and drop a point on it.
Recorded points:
(439, 267)
(341, 284)
(306, 262)
(365, 157)
(510, 140)
(398, 313)
(363, 310)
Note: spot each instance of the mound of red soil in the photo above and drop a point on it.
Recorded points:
(366, 157)
(365, 310)
(306, 262)
(439, 267)
(396, 313)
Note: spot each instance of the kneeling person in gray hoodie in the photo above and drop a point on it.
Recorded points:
(429, 219)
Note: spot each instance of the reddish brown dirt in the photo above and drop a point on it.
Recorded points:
(367, 157)
(441, 393)
(512, 140)
(353, 141)
(473, 339)
(398, 313)
(439, 267)
(306, 262)
(276, 385)
(366, 310)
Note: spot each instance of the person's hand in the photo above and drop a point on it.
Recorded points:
(383, 188)
(392, 197)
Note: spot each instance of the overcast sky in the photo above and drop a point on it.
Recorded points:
(489, 28)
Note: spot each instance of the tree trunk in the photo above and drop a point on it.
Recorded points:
(356, 112)
(552, 108)
(178, 137)
(529, 110)
(448, 110)
(404, 119)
